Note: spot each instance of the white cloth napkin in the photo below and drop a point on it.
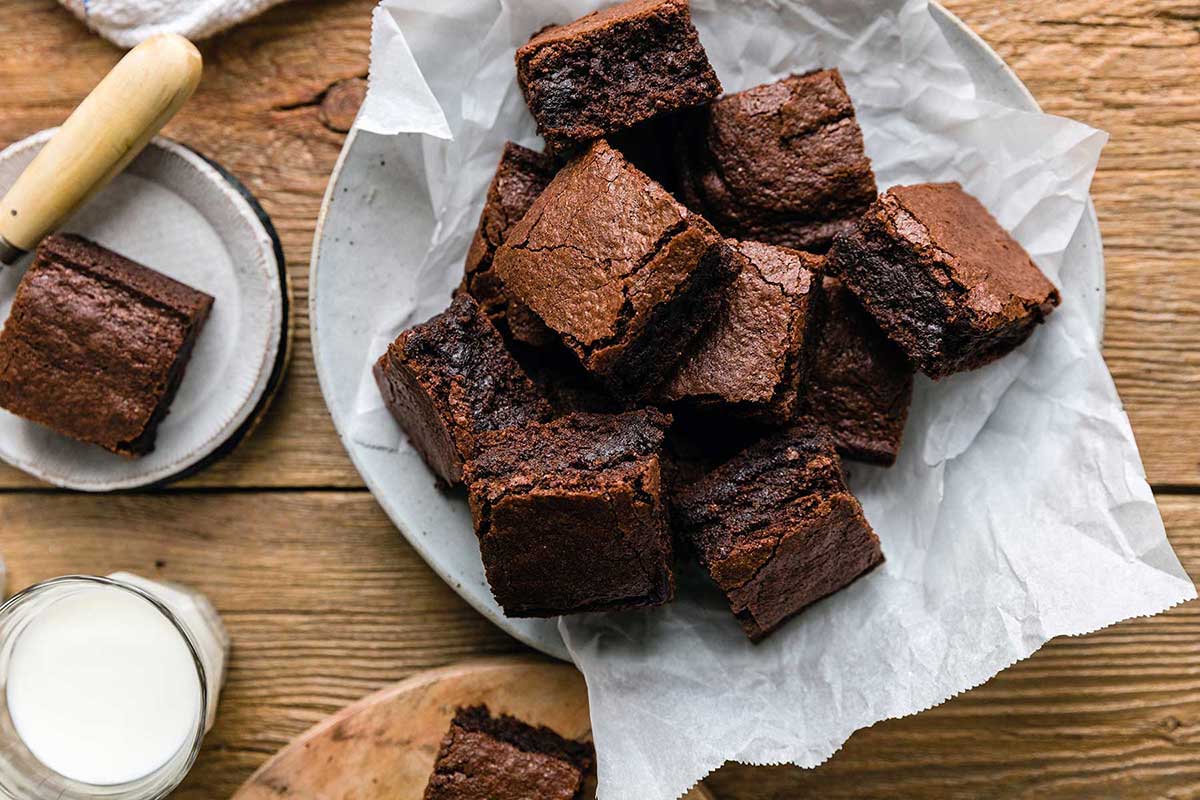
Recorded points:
(127, 23)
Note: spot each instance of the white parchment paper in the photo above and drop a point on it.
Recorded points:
(1019, 509)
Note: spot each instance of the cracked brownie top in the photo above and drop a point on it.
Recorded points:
(756, 355)
(96, 345)
(782, 163)
(620, 270)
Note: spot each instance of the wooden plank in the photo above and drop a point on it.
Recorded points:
(1128, 66)
(1132, 68)
(326, 603)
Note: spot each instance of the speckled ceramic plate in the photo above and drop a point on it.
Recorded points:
(177, 212)
(364, 253)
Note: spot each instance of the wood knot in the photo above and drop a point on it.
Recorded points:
(340, 105)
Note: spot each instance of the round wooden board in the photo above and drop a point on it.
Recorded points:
(383, 747)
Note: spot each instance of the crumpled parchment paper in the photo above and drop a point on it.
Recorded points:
(1018, 511)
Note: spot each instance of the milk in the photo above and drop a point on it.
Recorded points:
(104, 689)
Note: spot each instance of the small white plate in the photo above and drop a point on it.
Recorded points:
(364, 268)
(178, 213)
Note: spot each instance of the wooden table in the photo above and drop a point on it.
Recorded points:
(325, 600)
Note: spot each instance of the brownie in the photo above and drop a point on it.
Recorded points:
(942, 278)
(862, 382)
(570, 515)
(449, 380)
(754, 359)
(622, 272)
(520, 177)
(777, 529)
(502, 758)
(612, 69)
(96, 345)
(781, 163)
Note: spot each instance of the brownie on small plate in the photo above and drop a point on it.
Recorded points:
(612, 69)
(754, 359)
(520, 177)
(96, 345)
(502, 758)
(622, 272)
(781, 163)
(450, 379)
(943, 279)
(861, 384)
(777, 529)
(570, 515)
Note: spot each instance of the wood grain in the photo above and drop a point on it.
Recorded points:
(326, 604)
(384, 746)
(274, 102)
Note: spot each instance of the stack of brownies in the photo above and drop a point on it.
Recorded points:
(677, 320)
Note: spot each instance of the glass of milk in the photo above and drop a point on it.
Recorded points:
(107, 687)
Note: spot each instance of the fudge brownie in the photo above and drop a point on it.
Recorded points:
(777, 529)
(450, 379)
(942, 278)
(520, 177)
(612, 69)
(502, 758)
(754, 359)
(781, 163)
(622, 272)
(862, 382)
(96, 345)
(570, 515)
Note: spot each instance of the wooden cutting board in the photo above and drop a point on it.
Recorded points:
(383, 747)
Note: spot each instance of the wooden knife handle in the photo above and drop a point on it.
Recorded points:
(111, 126)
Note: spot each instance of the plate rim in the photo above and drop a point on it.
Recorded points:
(257, 404)
(557, 648)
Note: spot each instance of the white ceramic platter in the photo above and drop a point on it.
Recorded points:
(180, 214)
(362, 259)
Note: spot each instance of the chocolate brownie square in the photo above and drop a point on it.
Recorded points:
(570, 515)
(502, 758)
(942, 278)
(781, 163)
(622, 272)
(777, 529)
(520, 177)
(612, 69)
(862, 382)
(449, 380)
(754, 359)
(96, 345)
